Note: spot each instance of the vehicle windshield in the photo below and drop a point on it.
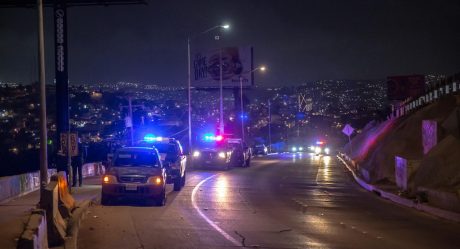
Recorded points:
(136, 159)
(166, 148)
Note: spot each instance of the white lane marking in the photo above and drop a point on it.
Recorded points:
(209, 221)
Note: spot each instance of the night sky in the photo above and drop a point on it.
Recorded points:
(299, 41)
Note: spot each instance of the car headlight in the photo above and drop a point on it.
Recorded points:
(157, 180)
(294, 149)
(109, 179)
(196, 153)
(312, 148)
(265, 149)
(318, 150)
(300, 148)
(221, 154)
(326, 150)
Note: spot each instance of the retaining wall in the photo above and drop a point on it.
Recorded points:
(18, 185)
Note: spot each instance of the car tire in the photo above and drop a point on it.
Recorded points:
(161, 201)
(182, 182)
(248, 162)
(178, 184)
(105, 200)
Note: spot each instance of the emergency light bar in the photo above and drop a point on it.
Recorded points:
(211, 137)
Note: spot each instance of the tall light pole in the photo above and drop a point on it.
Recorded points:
(189, 79)
(261, 68)
(43, 127)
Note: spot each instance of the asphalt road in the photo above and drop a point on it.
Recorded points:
(281, 201)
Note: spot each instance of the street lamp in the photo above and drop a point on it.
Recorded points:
(261, 68)
(189, 80)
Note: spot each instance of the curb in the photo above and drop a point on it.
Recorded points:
(449, 215)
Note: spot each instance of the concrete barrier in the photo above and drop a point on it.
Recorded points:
(93, 169)
(59, 220)
(35, 232)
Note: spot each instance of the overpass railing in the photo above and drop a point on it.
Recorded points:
(434, 92)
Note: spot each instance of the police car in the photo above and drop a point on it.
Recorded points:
(136, 172)
(212, 152)
(172, 156)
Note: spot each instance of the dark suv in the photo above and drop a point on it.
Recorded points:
(173, 158)
(136, 172)
(260, 149)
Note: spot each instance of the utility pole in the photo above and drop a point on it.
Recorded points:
(242, 108)
(130, 116)
(269, 127)
(130, 106)
(222, 132)
(43, 126)
(189, 97)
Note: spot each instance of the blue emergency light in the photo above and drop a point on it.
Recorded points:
(152, 138)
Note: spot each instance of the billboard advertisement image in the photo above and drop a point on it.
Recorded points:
(236, 62)
(403, 87)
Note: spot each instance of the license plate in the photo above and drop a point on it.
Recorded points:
(131, 187)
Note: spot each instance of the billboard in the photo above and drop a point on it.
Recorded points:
(236, 62)
(403, 87)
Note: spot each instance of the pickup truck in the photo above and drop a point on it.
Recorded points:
(241, 154)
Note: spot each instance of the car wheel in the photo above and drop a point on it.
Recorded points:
(161, 201)
(104, 200)
(177, 183)
(183, 179)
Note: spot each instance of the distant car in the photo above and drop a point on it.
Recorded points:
(260, 149)
(297, 148)
(212, 155)
(241, 153)
(320, 148)
(136, 172)
(173, 158)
